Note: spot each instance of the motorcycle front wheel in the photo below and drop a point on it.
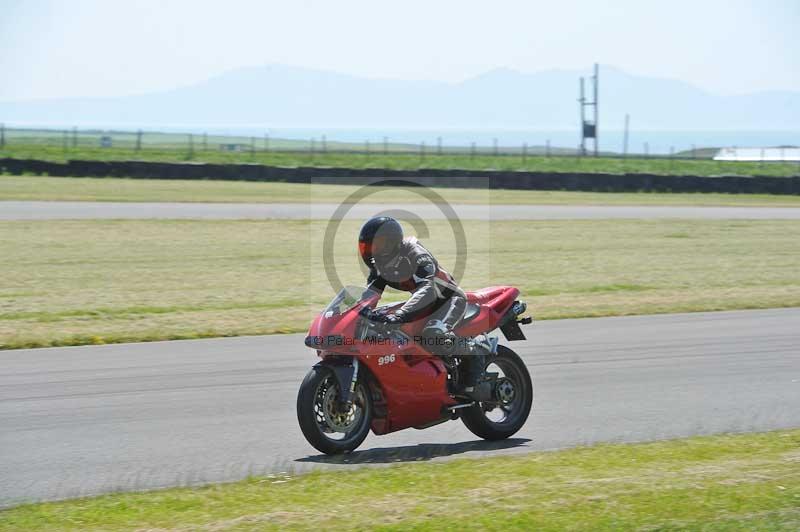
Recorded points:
(329, 425)
(513, 397)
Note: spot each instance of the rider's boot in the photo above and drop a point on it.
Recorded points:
(475, 355)
(471, 351)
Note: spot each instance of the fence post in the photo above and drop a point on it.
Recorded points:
(2, 135)
(205, 141)
(626, 136)
(139, 140)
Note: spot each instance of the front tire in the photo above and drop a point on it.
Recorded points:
(325, 424)
(502, 418)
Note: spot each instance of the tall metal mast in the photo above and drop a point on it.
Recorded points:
(589, 129)
(596, 122)
(582, 102)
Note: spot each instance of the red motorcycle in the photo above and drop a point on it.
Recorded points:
(373, 377)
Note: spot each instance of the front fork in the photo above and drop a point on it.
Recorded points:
(346, 377)
(347, 398)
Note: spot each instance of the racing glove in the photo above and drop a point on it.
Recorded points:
(379, 317)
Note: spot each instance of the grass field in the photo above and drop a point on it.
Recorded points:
(78, 282)
(728, 482)
(700, 167)
(115, 189)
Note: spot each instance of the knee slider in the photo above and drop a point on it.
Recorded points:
(438, 337)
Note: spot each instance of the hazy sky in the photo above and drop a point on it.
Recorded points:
(110, 48)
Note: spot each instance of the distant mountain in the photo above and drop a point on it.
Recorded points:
(283, 96)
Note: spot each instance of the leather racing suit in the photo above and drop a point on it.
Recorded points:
(434, 293)
(435, 296)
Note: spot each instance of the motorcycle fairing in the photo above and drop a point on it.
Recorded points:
(411, 385)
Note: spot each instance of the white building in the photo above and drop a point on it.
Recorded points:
(786, 154)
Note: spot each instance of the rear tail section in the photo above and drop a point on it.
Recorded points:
(511, 321)
(493, 307)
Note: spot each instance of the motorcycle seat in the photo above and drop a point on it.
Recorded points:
(486, 294)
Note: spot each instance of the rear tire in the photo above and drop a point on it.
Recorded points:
(515, 412)
(319, 415)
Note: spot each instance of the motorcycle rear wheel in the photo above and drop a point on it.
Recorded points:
(327, 427)
(513, 410)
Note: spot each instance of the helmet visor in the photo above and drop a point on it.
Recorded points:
(382, 245)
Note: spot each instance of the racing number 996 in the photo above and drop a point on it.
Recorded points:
(388, 359)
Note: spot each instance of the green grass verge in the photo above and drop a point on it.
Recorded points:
(101, 281)
(727, 482)
(130, 190)
(700, 167)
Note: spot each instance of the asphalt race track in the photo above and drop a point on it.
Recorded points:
(79, 210)
(86, 420)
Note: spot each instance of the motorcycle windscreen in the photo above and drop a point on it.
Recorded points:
(347, 298)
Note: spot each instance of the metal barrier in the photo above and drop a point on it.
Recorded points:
(596, 182)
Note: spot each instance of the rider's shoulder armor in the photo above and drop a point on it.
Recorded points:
(412, 266)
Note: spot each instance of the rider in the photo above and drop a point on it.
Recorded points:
(405, 264)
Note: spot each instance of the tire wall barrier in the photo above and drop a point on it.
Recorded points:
(441, 178)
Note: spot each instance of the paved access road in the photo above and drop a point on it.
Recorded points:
(78, 210)
(85, 420)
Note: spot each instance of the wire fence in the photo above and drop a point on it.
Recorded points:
(190, 145)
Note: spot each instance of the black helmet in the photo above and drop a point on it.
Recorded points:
(379, 237)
